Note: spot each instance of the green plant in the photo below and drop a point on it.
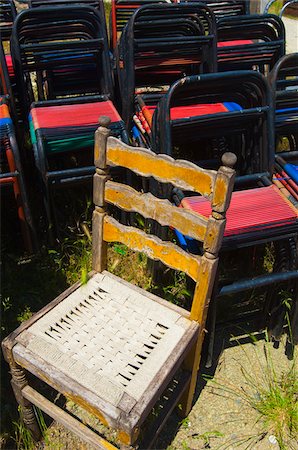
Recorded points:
(206, 437)
(74, 257)
(24, 315)
(177, 292)
(272, 398)
(23, 437)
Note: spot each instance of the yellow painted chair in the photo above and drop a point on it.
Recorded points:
(109, 346)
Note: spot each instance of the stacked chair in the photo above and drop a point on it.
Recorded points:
(236, 114)
(65, 51)
(7, 79)
(227, 8)
(98, 4)
(250, 42)
(284, 83)
(246, 41)
(12, 175)
(125, 355)
(121, 11)
(159, 44)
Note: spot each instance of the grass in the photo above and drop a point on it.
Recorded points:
(271, 398)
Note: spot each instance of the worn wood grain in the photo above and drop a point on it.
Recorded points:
(99, 189)
(72, 424)
(71, 389)
(223, 189)
(156, 249)
(144, 162)
(187, 222)
(99, 246)
(214, 235)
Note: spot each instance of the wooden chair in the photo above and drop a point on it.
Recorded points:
(108, 345)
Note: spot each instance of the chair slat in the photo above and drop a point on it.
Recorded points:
(153, 247)
(162, 211)
(163, 168)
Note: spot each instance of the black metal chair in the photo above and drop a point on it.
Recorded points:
(284, 82)
(247, 129)
(64, 81)
(12, 175)
(250, 42)
(159, 44)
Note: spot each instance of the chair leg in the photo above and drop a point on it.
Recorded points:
(18, 382)
(191, 363)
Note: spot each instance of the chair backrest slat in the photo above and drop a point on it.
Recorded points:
(163, 168)
(156, 249)
(127, 198)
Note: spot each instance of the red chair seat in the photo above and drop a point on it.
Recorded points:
(250, 210)
(183, 112)
(84, 114)
(234, 43)
(9, 64)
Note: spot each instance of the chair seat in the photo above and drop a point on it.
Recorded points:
(112, 339)
(9, 64)
(184, 112)
(77, 115)
(251, 210)
(235, 43)
(71, 127)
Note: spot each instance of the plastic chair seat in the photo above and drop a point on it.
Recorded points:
(9, 64)
(183, 112)
(70, 127)
(110, 339)
(251, 210)
(234, 43)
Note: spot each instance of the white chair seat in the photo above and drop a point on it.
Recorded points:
(112, 339)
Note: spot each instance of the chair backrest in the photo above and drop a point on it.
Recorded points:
(250, 41)
(59, 46)
(234, 106)
(216, 186)
(98, 4)
(121, 11)
(5, 83)
(7, 16)
(226, 8)
(160, 44)
(284, 82)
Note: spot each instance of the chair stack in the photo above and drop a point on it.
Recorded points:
(250, 42)
(7, 79)
(64, 80)
(159, 45)
(12, 175)
(121, 11)
(284, 83)
(249, 130)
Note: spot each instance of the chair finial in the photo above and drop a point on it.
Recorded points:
(104, 121)
(229, 159)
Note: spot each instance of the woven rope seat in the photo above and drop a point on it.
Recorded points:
(134, 336)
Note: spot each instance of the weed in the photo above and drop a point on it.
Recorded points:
(206, 437)
(73, 258)
(23, 437)
(185, 446)
(177, 292)
(25, 315)
(272, 398)
(185, 423)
